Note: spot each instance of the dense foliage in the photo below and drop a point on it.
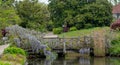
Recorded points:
(8, 14)
(80, 13)
(34, 14)
(115, 45)
(115, 49)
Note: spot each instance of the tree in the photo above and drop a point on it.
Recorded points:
(34, 15)
(8, 14)
(80, 13)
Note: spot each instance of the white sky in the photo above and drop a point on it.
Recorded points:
(44, 1)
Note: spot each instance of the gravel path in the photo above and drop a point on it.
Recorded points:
(50, 35)
(2, 47)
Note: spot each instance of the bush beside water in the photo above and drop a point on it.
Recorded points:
(115, 49)
(13, 55)
(115, 45)
(13, 59)
(14, 50)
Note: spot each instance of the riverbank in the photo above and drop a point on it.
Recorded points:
(110, 39)
(12, 59)
(13, 56)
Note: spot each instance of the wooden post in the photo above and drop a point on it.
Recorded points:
(64, 47)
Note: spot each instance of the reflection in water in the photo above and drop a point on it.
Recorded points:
(84, 51)
(84, 61)
(47, 62)
(77, 61)
(99, 61)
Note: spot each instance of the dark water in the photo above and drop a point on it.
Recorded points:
(77, 61)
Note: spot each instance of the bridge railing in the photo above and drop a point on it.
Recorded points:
(70, 43)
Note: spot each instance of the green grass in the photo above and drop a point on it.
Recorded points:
(82, 32)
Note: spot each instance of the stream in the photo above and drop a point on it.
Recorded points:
(76, 61)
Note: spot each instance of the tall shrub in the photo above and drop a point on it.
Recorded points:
(80, 12)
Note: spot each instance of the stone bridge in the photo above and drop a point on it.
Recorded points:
(35, 41)
(69, 44)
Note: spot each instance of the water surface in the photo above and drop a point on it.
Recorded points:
(76, 61)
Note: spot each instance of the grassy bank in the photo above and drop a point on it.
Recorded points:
(13, 56)
(113, 50)
(82, 32)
